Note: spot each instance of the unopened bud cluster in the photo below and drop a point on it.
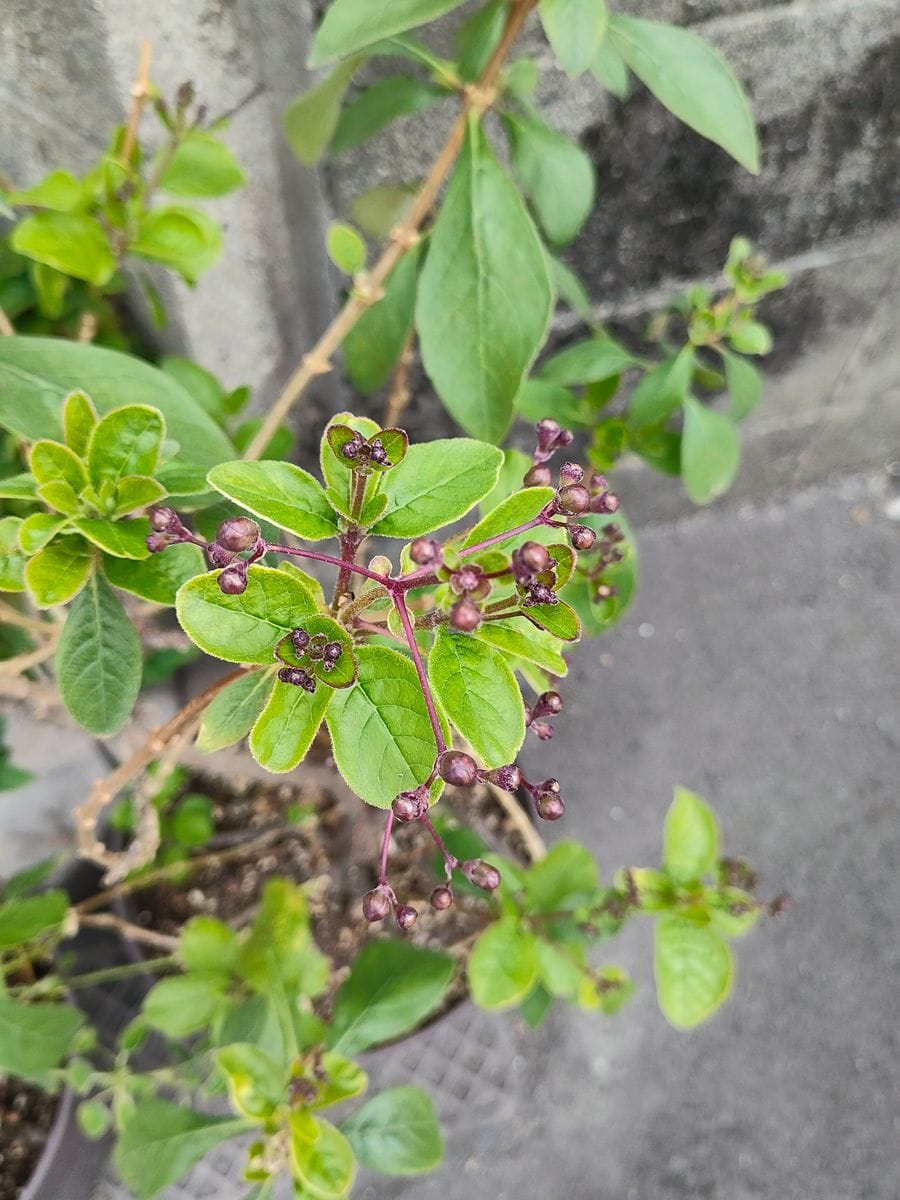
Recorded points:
(363, 453)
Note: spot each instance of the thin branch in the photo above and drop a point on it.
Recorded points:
(137, 933)
(477, 98)
(400, 394)
(403, 612)
(12, 616)
(140, 91)
(332, 559)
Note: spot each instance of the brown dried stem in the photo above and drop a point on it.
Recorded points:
(140, 92)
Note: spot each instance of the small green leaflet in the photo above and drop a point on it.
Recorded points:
(350, 25)
(503, 966)
(691, 842)
(694, 969)
(575, 29)
(310, 120)
(232, 713)
(285, 729)
(396, 1132)
(279, 492)
(710, 452)
(436, 483)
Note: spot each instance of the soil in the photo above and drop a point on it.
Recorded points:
(26, 1118)
(334, 846)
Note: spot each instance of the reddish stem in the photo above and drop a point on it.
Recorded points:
(333, 561)
(385, 843)
(450, 860)
(403, 612)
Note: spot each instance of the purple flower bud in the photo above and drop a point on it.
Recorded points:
(566, 438)
(543, 729)
(606, 502)
(441, 897)
(156, 542)
(164, 520)
(535, 556)
(581, 537)
(550, 806)
(481, 874)
(375, 905)
(508, 778)
(237, 534)
(598, 482)
(570, 473)
(218, 555)
(548, 704)
(547, 432)
(573, 499)
(233, 580)
(409, 806)
(465, 616)
(332, 651)
(405, 916)
(352, 448)
(377, 452)
(457, 768)
(299, 640)
(538, 476)
(540, 595)
(298, 678)
(424, 551)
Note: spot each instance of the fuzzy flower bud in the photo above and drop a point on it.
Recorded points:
(573, 499)
(538, 476)
(534, 556)
(297, 677)
(237, 534)
(570, 473)
(465, 616)
(218, 555)
(606, 502)
(508, 778)
(550, 806)
(155, 542)
(543, 729)
(581, 537)
(549, 704)
(410, 806)
(424, 551)
(164, 520)
(376, 905)
(405, 916)
(481, 874)
(233, 580)
(457, 768)
(441, 897)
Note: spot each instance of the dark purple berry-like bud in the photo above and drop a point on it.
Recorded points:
(351, 449)
(377, 452)
(548, 704)
(466, 579)
(332, 651)
(375, 905)
(508, 777)
(156, 542)
(298, 678)
(543, 729)
(535, 556)
(566, 438)
(598, 482)
(581, 537)
(550, 806)
(299, 640)
(424, 551)
(405, 916)
(606, 502)
(164, 520)
(409, 806)
(441, 897)
(465, 616)
(481, 874)
(540, 595)
(237, 534)
(218, 555)
(573, 499)
(570, 473)
(538, 476)
(457, 768)
(547, 431)
(233, 580)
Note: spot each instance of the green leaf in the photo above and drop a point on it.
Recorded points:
(200, 383)
(575, 29)
(71, 243)
(79, 419)
(513, 470)
(691, 843)
(558, 619)
(257, 1083)
(571, 290)
(321, 1158)
(161, 1141)
(18, 487)
(26, 918)
(182, 238)
(503, 965)
(485, 297)
(381, 736)
(436, 483)
(477, 39)
(535, 1007)
(98, 660)
(94, 1118)
(662, 390)
(183, 1004)
(310, 120)
(692, 81)
(349, 25)
(538, 399)
(396, 1133)
(233, 712)
(744, 384)
(379, 209)
(244, 628)
(557, 175)
(710, 452)
(564, 879)
(380, 104)
(201, 165)
(278, 492)
(158, 577)
(694, 968)
(518, 509)
(59, 191)
(12, 562)
(126, 441)
(346, 249)
(750, 337)
(520, 641)
(51, 461)
(590, 361)
(561, 971)
(121, 539)
(39, 529)
(285, 728)
(35, 1038)
(609, 67)
(279, 957)
(478, 691)
(58, 572)
(208, 945)
(36, 374)
(391, 989)
(373, 346)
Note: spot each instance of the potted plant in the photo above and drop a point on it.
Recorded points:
(139, 498)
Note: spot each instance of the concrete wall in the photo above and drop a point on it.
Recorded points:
(824, 76)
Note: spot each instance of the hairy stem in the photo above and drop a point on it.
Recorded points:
(403, 612)
(477, 98)
(333, 560)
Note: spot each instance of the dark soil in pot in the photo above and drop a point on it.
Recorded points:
(26, 1120)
